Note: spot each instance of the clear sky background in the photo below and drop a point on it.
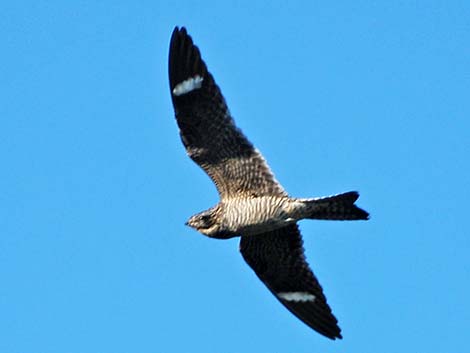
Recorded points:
(95, 185)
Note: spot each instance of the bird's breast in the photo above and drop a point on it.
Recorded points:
(250, 216)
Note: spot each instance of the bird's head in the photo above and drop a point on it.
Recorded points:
(204, 222)
(208, 223)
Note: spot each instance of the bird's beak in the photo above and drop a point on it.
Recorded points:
(186, 223)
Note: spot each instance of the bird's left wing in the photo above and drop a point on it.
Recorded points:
(278, 259)
(207, 129)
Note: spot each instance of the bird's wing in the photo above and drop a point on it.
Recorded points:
(278, 259)
(208, 131)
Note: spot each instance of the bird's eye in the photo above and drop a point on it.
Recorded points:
(206, 220)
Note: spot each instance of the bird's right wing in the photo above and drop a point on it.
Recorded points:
(278, 259)
(208, 131)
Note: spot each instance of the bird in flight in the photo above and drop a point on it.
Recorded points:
(253, 205)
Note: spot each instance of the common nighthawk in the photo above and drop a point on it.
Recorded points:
(253, 205)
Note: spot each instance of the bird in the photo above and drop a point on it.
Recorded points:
(253, 205)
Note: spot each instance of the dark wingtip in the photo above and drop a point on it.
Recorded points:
(331, 335)
(334, 337)
(184, 59)
(179, 31)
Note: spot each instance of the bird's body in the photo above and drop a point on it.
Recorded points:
(253, 205)
(249, 216)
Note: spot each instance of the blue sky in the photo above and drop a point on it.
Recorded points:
(95, 186)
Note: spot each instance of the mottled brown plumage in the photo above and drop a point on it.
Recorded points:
(253, 205)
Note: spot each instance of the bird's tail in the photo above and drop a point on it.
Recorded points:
(337, 207)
